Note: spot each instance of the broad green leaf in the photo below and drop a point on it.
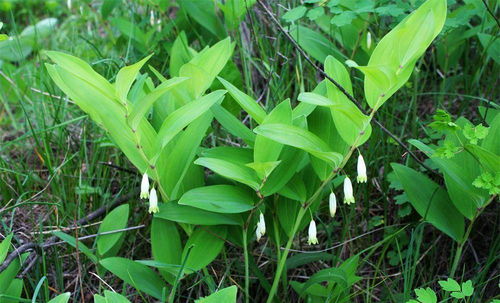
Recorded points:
(247, 103)
(115, 220)
(263, 169)
(294, 14)
(231, 170)
(191, 215)
(76, 244)
(180, 54)
(63, 298)
(487, 159)
(232, 124)
(265, 149)
(13, 291)
(126, 76)
(136, 274)
(182, 117)
(165, 244)
(239, 155)
(205, 66)
(206, 243)
(300, 138)
(110, 297)
(108, 6)
(458, 179)
(315, 44)
(333, 274)
(203, 12)
(290, 160)
(4, 247)
(431, 201)
(396, 54)
(81, 69)
(491, 44)
(141, 107)
(225, 295)
(352, 125)
(219, 199)
(176, 162)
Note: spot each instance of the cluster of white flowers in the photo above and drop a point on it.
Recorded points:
(348, 198)
(146, 193)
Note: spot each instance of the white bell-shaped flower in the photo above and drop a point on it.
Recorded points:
(153, 201)
(312, 239)
(362, 177)
(145, 186)
(332, 204)
(348, 192)
(368, 40)
(261, 227)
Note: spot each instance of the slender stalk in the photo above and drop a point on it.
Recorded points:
(247, 271)
(282, 261)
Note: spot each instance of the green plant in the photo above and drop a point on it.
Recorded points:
(291, 157)
(463, 292)
(467, 158)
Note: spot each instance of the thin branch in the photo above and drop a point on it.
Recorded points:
(33, 247)
(340, 87)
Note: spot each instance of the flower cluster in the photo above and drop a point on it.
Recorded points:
(146, 193)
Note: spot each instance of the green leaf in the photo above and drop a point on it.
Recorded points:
(467, 288)
(300, 138)
(180, 54)
(315, 44)
(327, 275)
(225, 295)
(144, 104)
(219, 198)
(232, 124)
(165, 244)
(126, 76)
(450, 285)
(4, 247)
(108, 6)
(191, 215)
(294, 14)
(175, 165)
(203, 12)
(63, 298)
(231, 170)
(183, 116)
(350, 122)
(394, 57)
(115, 220)
(206, 243)
(426, 295)
(431, 201)
(267, 150)
(136, 274)
(76, 244)
(246, 102)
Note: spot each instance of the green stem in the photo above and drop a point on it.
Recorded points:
(282, 261)
(303, 210)
(247, 271)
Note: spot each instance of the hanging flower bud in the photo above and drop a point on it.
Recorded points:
(332, 204)
(68, 3)
(312, 239)
(153, 201)
(368, 40)
(152, 18)
(348, 193)
(361, 170)
(145, 186)
(261, 227)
